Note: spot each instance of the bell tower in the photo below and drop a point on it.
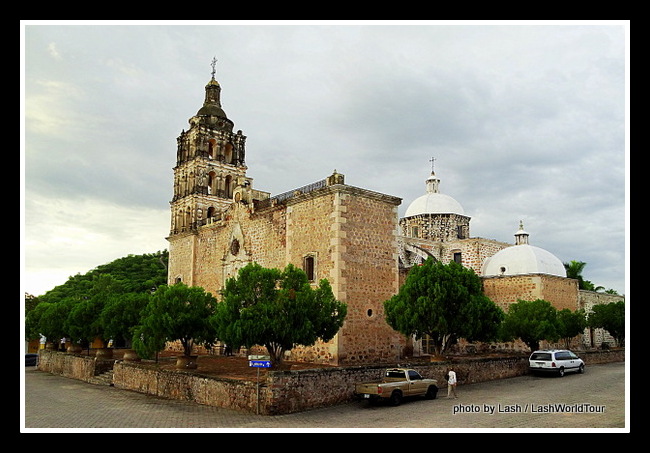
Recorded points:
(210, 164)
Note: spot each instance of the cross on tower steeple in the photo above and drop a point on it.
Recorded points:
(213, 64)
(432, 160)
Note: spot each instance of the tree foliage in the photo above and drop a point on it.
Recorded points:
(276, 309)
(81, 301)
(446, 302)
(121, 314)
(569, 324)
(610, 317)
(574, 270)
(531, 321)
(135, 273)
(176, 312)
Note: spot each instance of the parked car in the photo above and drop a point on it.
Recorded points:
(397, 384)
(31, 359)
(557, 361)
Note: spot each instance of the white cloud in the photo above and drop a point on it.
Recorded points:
(65, 237)
(526, 122)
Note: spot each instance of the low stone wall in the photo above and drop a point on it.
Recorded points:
(295, 391)
(285, 392)
(73, 366)
(186, 385)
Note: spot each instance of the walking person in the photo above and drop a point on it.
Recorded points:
(451, 384)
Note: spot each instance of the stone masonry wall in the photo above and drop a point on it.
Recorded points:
(73, 366)
(473, 251)
(366, 241)
(286, 391)
(596, 337)
(559, 291)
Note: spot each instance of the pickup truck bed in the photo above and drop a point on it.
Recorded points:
(397, 384)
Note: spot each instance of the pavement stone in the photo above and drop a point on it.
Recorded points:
(593, 400)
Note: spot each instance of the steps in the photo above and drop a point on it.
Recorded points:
(105, 378)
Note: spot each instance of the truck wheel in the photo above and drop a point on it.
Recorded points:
(396, 398)
(432, 392)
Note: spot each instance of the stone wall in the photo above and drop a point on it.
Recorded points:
(561, 292)
(186, 386)
(473, 251)
(284, 391)
(596, 337)
(72, 366)
(368, 274)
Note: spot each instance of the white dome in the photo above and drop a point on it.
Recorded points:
(434, 203)
(523, 259)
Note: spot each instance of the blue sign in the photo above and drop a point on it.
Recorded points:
(260, 363)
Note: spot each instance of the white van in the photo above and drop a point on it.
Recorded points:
(557, 361)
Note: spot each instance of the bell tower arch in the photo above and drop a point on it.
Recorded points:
(210, 164)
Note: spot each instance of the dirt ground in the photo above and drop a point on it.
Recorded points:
(232, 367)
(237, 367)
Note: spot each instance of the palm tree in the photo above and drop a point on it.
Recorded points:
(574, 270)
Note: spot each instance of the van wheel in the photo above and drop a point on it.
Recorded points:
(396, 398)
(581, 369)
(560, 372)
(432, 392)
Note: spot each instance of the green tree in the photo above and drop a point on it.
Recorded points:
(574, 270)
(33, 327)
(84, 321)
(53, 320)
(136, 273)
(276, 309)
(446, 302)
(30, 302)
(148, 339)
(610, 317)
(121, 314)
(176, 312)
(531, 321)
(570, 324)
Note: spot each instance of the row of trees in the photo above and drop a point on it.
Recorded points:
(279, 310)
(446, 302)
(101, 303)
(269, 307)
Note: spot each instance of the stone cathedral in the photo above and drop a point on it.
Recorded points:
(348, 235)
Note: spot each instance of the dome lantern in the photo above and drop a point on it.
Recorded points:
(522, 258)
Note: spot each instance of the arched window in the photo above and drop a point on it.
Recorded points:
(228, 153)
(212, 181)
(228, 187)
(309, 266)
(188, 218)
(212, 148)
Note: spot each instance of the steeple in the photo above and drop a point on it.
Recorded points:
(210, 164)
(521, 236)
(433, 183)
(212, 103)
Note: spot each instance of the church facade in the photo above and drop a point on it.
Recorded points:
(348, 235)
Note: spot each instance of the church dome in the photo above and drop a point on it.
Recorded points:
(212, 103)
(434, 202)
(522, 258)
(211, 110)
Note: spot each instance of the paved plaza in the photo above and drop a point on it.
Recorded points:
(595, 399)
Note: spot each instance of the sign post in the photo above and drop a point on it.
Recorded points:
(259, 361)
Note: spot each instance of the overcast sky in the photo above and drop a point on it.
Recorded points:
(526, 121)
